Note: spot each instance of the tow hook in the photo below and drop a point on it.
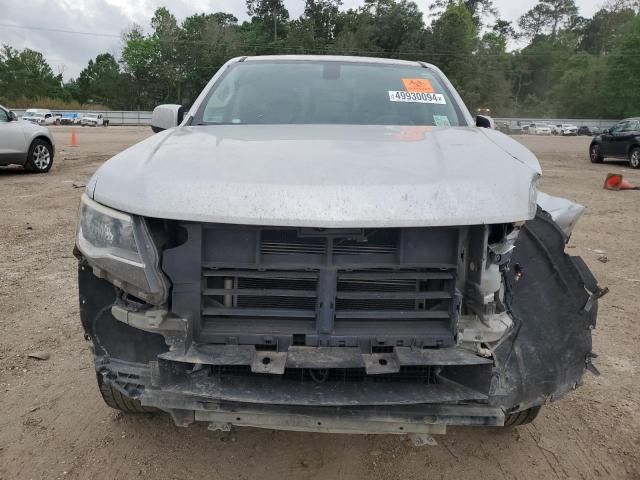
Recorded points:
(589, 364)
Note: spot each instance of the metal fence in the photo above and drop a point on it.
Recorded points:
(578, 122)
(144, 118)
(114, 117)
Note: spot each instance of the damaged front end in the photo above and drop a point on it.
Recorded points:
(386, 330)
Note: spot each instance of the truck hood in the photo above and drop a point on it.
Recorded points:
(325, 176)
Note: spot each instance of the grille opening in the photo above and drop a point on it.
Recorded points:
(394, 291)
(287, 242)
(382, 349)
(299, 339)
(270, 281)
(282, 241)
(260, 290)
(381, 242)
(412, 374)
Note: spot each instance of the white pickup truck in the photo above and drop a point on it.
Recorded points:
(42, 116)
(295, 255)
(94, 120)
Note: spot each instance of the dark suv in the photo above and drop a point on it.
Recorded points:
(588, 131)
(621, 141)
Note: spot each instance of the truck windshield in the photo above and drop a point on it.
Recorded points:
(330, 92)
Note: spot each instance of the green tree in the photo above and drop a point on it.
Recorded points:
(140, 58)
(477, 8)
(599, 32)
(582, 73)
(452, 43)
(397, 24)
(268, 12)
(205, 42)
(100, 81)
(623, 67)
(548, 15)
(27, 73)
(323, 16)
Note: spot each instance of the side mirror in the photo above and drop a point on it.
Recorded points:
(485, 122)
(606, 131)
(13, 117)
(166, 116)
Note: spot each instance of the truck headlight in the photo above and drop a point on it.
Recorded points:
(120, 249)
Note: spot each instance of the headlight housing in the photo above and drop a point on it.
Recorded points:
(120, 249)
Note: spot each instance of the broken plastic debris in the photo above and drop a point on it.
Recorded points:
(39, 355)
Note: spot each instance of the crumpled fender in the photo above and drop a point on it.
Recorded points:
(564, 212)
(552, 298)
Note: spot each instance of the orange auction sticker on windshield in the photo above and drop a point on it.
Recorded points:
(418, 85)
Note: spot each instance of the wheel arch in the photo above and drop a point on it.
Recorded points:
(44, 138)
(633, 145)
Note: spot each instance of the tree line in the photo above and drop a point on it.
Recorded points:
(567, 65)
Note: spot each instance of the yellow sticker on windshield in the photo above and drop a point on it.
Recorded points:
(418, 85)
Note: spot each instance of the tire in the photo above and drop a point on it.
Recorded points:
(594, 153)
(39, 157)
(634, 157)
(115, 399)
(522, 418)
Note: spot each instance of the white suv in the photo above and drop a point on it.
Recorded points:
(25, 143)
(565, 129)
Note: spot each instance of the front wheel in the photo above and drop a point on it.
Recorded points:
(116, 399)
(634, 158)
(40, 157)
(522, 418)
(594, 154)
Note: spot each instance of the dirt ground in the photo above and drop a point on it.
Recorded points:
(53, 423)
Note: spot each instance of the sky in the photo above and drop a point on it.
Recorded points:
(69, 53)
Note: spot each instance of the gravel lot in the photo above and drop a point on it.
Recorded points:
(53, 423)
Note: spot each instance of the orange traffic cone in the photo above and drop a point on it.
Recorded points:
(74, 140)
(614, 181)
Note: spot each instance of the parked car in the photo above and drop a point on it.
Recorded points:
(42, 117)
(622, 141)
(70, 118)
(515, 130)
(539, 129)
(331, 244)
(565, 129)
(31, 112)
(25, 143)
(94, 120)
(591, 131)
(503, 127)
